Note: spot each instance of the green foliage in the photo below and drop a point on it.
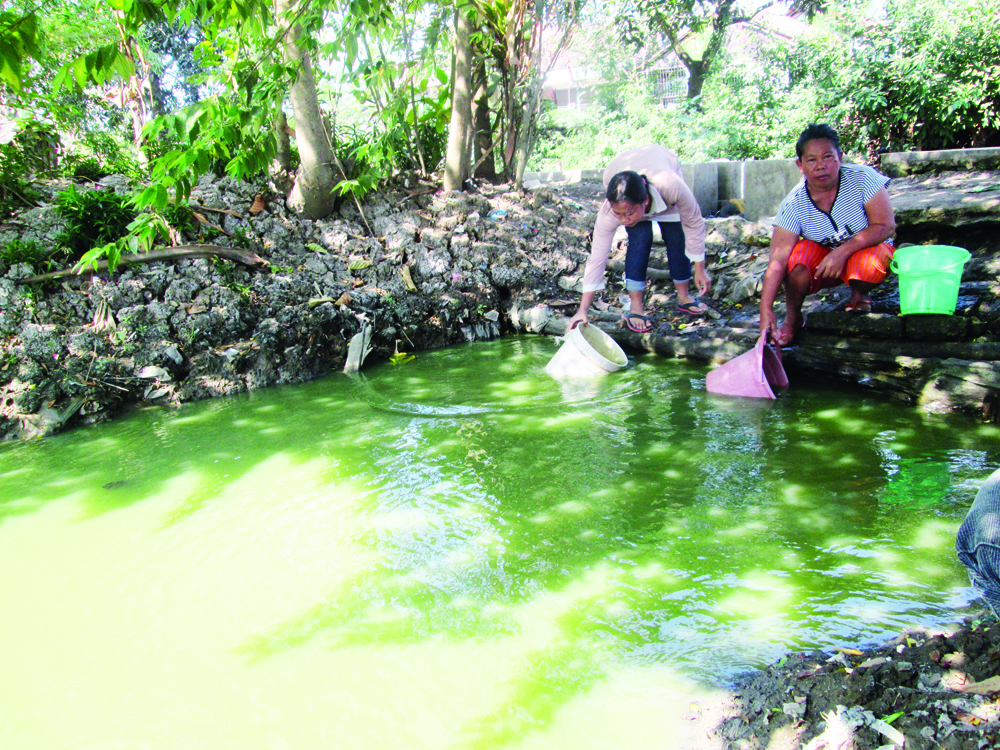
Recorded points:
(749, 110)
(212, 131)
(179, 217)
(94, 218)
(927, 76)
(96, 67)
(99, 153)
(85, 168)
(29, 148)
(41, 258)
(589, 138)
(19, 39)
(394, 98)
(22, 252)
(140, 236)
(15, 195)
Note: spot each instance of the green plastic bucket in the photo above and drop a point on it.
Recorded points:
(929, 277)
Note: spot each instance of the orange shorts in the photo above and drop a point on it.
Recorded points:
(870, 264)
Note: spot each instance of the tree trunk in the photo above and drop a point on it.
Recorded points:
(696, 78)
(482, 154)
(281, 171)
(529, 117)
(283, 149)
(312, 193)
(529, 121)
(456, 167)
(699, 69)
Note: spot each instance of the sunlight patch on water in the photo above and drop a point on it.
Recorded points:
(795, 495)
(935, 534)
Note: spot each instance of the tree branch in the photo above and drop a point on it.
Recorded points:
(182, 252)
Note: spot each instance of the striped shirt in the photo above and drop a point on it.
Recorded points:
(847, 217)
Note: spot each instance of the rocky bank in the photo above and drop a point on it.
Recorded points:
(423, 269)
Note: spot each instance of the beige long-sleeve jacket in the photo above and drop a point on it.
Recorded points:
(672, 200)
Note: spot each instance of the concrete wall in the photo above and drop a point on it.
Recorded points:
(761, 184)
(703, 179)
(765, 184)
(730, 180)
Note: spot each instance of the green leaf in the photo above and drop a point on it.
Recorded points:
(79, 72)
(162, 198)
(359, 265)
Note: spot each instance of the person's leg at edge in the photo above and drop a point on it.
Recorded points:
(677, 260)
(978, 542)
(860, 296)
(640, 243)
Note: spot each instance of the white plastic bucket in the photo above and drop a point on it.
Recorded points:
(586, 351)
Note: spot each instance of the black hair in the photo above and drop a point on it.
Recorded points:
(814, 133)
(628, 186)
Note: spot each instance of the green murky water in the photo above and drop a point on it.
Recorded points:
(461, 553)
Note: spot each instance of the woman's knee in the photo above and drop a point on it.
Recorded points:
(799, 277)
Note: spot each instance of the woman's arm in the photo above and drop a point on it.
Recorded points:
(782, 242)
(881, 226)
(600, 249)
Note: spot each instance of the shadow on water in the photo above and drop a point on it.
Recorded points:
(648, 520)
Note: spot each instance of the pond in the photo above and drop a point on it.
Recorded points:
(460, 552)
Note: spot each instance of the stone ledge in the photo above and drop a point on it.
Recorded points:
(940, 328)
(900, 164)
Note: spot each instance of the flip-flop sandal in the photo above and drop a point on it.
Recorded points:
(627, 317)
(691, 308)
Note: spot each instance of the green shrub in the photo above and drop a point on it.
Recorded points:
(179, 217)
(99, 153)
(922, 77)
(40, 258)
(87, 168)
(22, 252)
(32, 151)
(95, 218)
(15, 194)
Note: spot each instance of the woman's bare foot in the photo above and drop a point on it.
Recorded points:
(788, 330)
(861, 304)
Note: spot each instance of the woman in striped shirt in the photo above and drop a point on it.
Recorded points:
(836, 226)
